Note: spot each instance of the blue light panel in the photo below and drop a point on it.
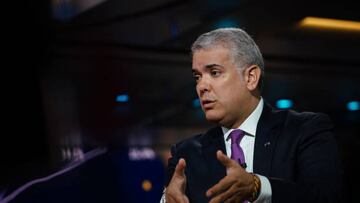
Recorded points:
(284, 104)
(196, 103)
(122, 98)
(353, 105)
(226, 23)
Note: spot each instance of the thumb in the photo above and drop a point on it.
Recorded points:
(180, 168)
(226, 161)
(179, 179)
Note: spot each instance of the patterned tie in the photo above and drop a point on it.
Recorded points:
(237, 153)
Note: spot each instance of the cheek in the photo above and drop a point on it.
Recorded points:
(226, 94)
(231, 98)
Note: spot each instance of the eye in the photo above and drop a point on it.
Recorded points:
(215, 72)
(196, 77)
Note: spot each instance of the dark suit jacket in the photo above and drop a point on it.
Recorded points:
(301, 161)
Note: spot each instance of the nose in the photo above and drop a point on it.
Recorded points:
(203, 86)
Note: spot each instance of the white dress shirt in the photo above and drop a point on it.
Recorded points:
(247, 143)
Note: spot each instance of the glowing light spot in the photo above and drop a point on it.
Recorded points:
(284, 104)
(146, 185)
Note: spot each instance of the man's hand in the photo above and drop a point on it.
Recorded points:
(175, 192)
(236, 186)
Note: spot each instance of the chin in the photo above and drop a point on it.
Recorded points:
(213, 117)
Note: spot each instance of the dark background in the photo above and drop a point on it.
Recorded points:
(64, 63)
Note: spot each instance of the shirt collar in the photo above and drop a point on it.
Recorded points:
(250, 124)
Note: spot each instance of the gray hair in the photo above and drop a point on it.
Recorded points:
(243, 49)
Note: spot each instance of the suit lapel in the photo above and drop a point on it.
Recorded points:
(268, 130)
(212, 141)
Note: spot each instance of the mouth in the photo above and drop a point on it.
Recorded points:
(208, 104)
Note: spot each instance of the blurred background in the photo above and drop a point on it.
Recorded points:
(80, 74)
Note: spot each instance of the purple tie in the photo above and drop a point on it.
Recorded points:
(237, 153)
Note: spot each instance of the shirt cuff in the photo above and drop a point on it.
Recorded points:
(163, 200)
(265, 190)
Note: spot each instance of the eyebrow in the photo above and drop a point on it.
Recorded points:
(209, 66)
(213, 65)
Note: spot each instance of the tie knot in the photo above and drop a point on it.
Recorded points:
(236, 135)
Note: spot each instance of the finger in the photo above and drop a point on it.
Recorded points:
(225, 196)
(180, 168)
(221, 186)
(226, 161)
(174, 195)
(177, 185)
(186, 199)
(235, 198)
(177, 199)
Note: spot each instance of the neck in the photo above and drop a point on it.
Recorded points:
(250, 107)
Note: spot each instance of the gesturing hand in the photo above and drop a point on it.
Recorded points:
(175, 192)
(236, 186)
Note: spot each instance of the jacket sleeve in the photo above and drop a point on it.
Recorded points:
(318, 175)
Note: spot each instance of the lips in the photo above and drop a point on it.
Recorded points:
(208, 104)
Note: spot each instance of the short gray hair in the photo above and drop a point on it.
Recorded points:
(242, 47)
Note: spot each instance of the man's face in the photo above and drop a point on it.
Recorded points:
(221, 86)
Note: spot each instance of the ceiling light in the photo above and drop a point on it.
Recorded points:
(330, 24)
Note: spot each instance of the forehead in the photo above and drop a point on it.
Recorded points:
(214, 55)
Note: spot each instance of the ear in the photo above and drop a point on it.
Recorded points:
(252, 76)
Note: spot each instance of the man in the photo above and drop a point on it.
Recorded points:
(285, 156)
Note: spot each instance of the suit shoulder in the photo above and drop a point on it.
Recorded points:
(196, 141)
(309, 119)
(307, 116)
(190, 141)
